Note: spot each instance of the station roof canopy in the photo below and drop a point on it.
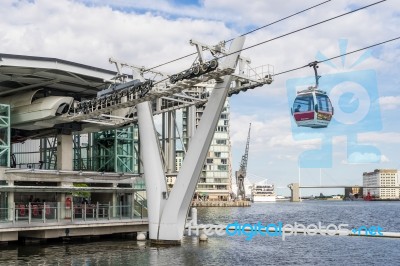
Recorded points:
(20, 73)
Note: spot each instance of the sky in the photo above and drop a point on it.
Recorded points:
(364, 87)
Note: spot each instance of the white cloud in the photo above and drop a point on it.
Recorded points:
(392, 138)
(90, 35)
(270, 135)
(389, 102)
(366, 158)
(384, 159)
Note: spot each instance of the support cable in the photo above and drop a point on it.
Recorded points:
(307, 27)
(298, 30)
(257, 84)
(328, 59)
(297, 13)
(282, 19)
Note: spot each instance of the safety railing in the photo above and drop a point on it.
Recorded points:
(34, 212)
(3, 215)
(54, 212)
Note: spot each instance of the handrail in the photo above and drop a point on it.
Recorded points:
(55, 212)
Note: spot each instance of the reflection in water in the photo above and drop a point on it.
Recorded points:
(299, 250)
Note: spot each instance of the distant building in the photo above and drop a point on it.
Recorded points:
(215, 178)
(385, 178)
(171, 181)
(178, 161)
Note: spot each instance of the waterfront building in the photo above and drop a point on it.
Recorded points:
(215, 179)
(62, 171)
(171, 178)
(179, 159)
(384, 178)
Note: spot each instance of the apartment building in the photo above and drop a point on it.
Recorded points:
(385, 179)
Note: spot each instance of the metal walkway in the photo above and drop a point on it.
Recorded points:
(43, 221)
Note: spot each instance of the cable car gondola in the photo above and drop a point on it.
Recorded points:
(312, 107)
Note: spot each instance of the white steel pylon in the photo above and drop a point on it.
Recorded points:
(167, 213)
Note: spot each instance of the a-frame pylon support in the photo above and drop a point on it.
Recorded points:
(167, 214)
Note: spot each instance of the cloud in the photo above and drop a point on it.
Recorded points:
(90, 35)
(268, 135)
(384, 159)
(366, 158)
(235, 12)
(391, 138)
(389, 102)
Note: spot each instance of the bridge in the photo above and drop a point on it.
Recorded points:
(295, 188)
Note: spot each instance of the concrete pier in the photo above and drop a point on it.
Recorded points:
(41, 231)
(294, 192)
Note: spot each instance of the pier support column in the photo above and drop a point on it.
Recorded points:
(65, 212)
(171, 144)
(156, 185)
(64, 152)
(10, 202)
(294, 192)
(191, 124)
(115, 202)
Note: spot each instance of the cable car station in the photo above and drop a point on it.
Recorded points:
(93, 133)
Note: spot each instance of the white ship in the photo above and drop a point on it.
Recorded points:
(263, 192)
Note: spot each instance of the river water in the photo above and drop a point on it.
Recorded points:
(236, 250)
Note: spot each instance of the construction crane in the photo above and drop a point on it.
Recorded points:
(241, 174)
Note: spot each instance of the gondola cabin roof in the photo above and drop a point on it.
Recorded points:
(311, 90)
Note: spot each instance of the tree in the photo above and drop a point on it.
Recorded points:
(81, 194)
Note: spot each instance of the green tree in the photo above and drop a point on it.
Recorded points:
(81, 194)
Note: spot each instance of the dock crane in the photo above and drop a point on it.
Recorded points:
(241, 174)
